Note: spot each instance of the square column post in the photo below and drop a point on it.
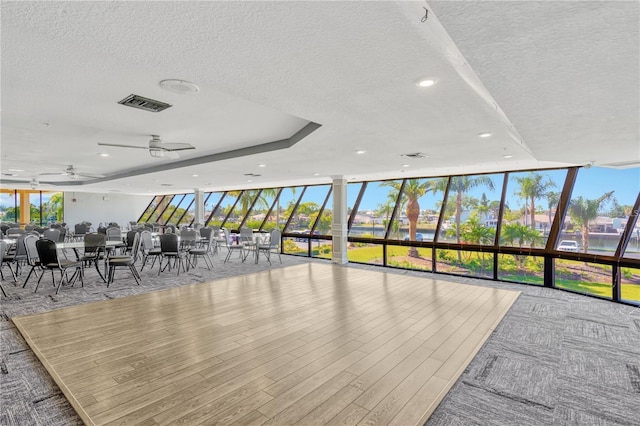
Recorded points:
(198, 203)
(339, 225)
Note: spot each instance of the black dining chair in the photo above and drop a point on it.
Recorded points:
(115, 262)
(33, 259)
(95, 248)
(49, 259)
(170, 250)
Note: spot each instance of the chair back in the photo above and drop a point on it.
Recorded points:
(135, 247)
(205, 232)
(114, 234)
(63, 234)
(21, 250)
(31, 249)
(47, 252)
(102, 230)
(148, 227)
(274, 239)
(3, 250)
(29, 228)
(246, 235)
(52, 234)
(80, 229)
(14, 232)
(169, 243)
(147, 241)
(39, 229)
(94, 243)
(130, 239)
(188, 238)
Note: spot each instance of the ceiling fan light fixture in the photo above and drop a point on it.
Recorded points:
(156, 153)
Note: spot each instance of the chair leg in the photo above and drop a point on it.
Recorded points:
(95, 262)
(33, 269)
(135, 274)
(3, 292)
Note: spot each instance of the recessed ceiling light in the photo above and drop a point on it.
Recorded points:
(316, 174)
(360, 151)
(103, 154)
(484, 135)
(262, 165)
(194, 175)
(406, 165)
(507, 156)
(180, 87)
(249, 180)
(426, 82)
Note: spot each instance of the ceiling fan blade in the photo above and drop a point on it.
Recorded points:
(122, 146)
(53, 174)
(176, 146)
(91, 175)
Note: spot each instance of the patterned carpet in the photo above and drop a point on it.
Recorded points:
(556, 358)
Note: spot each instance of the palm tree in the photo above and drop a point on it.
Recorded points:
(582, 211)
(461, 185)
(553, 198)
(413, 190)
(533, 187)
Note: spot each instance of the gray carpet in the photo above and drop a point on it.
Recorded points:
(556, 358)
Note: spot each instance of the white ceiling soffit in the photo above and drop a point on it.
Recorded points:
(268, 69)
(567, 73)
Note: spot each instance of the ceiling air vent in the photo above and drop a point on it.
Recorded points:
(414, 155)
(146, 104)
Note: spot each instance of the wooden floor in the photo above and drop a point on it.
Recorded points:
(310, 344)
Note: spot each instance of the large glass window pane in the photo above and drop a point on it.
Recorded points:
(323, 227)
(163, 204)
(308, 209)
(182, 215)
(464, 262)
(530, 206)
(419, 210)
(365, 253)
(146, 215)
(261, 208)
(210, 203)
(584, 277)
(322, 249)
(600, 206)
(52, 207)
(34, 203)
(224, 208)
(400, 257)
(284, 206)
(8, 207)
(521, 268)
(168, 214)
(295, 245)
(242, 208)
(353, 190)
(630, 285)
(471, 211)
(375, 209)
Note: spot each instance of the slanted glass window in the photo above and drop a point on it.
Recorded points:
(146, 215)
(241, 209)
(323, 225)
(375, 209)
(224, 208)
(599, 210)
(285, 205)
(470, 216)
(169, 212)
(417, 215)
(185, 211)
(308, 209)
(258, 214)
(211, 200)
(163, 204)
(530, 206)
(353, 190)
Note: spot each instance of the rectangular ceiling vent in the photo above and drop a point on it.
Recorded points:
(143, 103)
(414, 155)
(622, 164)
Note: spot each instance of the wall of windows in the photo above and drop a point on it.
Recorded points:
(31, 207)
(574, 229)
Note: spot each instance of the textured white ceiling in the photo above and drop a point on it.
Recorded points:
(555, 82)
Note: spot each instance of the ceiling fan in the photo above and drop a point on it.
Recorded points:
(156, 147)
(73, 173)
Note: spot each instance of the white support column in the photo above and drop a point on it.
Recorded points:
(198, 203)
(339, 225)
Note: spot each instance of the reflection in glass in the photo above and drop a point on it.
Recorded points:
(584, 277)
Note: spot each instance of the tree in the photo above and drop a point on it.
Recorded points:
(460, 185)
(413, 190)
(533, 187)
(553, 198)
(582, 211)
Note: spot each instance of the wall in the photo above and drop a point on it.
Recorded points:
(96, 208)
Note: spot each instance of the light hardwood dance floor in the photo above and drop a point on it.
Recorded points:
(309, 344)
